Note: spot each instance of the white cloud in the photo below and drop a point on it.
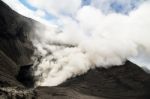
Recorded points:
(40, 13)
(124, 6)
(57, 6)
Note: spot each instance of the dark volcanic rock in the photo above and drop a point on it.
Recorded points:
(61, 93)
(25, 77)
(14, 35)
(8, 71)
(124, 82)
(119, 82)
(15, 52)
(16, 93)
(15, 46)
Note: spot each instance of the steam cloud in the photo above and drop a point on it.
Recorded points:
(87, 36)
(87, 40)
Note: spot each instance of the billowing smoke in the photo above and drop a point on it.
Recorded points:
(85, 37)
(86, 34)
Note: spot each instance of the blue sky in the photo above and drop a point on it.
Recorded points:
(84, 2)
(47, 16)
(24, 2)
(114, 5)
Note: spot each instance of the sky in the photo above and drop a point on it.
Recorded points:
(113, 5)
(92, 33)
(107, 6)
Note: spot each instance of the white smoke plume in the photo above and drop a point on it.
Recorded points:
(89, 36)
(89, 39)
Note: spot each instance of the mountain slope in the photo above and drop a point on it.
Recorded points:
(118, 82)
(15, 47)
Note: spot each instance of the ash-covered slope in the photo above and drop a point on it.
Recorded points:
(15, 47)
(14, 35)
(121, 82)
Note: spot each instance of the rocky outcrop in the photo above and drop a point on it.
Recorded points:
(15, 47)
(8, 71)
(14, 35)
(15, 52)
(119, 82)
(16, 93)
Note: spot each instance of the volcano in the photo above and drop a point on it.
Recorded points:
(127, 81)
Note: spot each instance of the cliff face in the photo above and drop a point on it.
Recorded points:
(15, 47)
(14, 35)
(121, 82)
